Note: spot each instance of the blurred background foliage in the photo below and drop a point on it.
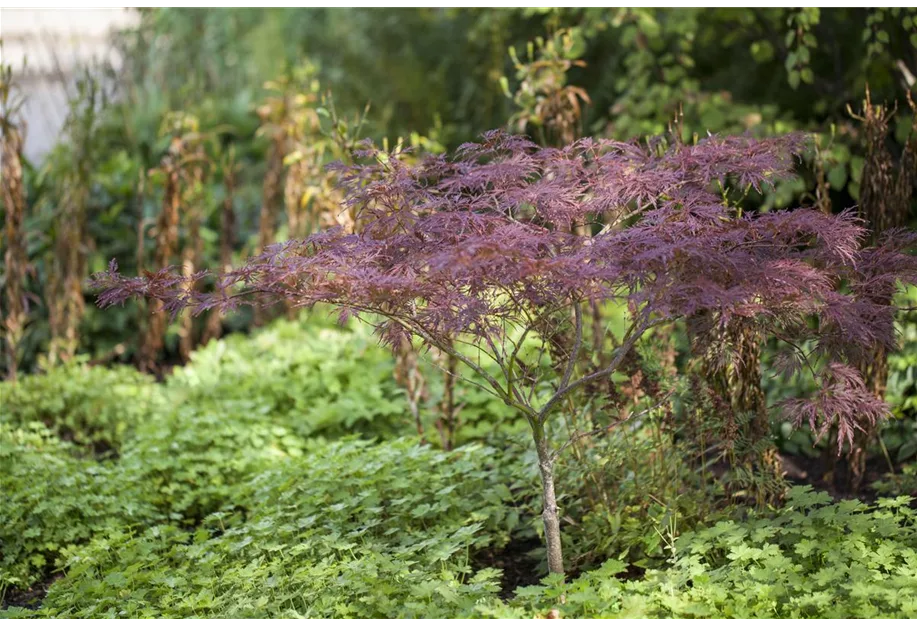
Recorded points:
(432, 79)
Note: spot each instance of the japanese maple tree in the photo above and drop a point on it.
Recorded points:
(483, 249)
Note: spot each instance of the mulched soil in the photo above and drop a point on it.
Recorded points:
(520, 560)
(832, 475)
(29, 598)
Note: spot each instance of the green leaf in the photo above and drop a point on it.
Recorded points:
(837, 176)
(504, 85)
(116, 579)
(762, 51)
(856, 168)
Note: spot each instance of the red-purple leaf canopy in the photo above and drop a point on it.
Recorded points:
(506, 231)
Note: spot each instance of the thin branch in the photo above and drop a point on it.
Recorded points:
(576, 437)
(620, 353)
(799, 351)
(459, 376)
(577, 344)
(497, 388)
(536, 378)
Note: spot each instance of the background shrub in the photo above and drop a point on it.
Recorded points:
(309, 376)
(95, 408)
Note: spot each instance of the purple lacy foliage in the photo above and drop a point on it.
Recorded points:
(842, 400)
(469, 245)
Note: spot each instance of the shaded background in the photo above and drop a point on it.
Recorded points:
(431, 77)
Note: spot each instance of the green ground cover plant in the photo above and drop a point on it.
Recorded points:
(354, 529)
(308, 376)
(211, 509)
(53, 500)
(815, 558)
(97, 409)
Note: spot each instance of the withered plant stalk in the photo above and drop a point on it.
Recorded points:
(14, 207)
(213, 327)
(64, 293)
(885, 197)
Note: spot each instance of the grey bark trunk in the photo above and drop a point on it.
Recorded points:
(550, 514)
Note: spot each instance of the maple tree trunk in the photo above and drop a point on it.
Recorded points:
(407, 375)
(549, 514)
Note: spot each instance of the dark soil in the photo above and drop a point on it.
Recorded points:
(521, 562)
(29, 598)
(832, 475)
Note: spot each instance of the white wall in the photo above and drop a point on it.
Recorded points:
(55, 43)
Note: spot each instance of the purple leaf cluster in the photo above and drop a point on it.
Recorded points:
(842, 400)
(507, 233)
